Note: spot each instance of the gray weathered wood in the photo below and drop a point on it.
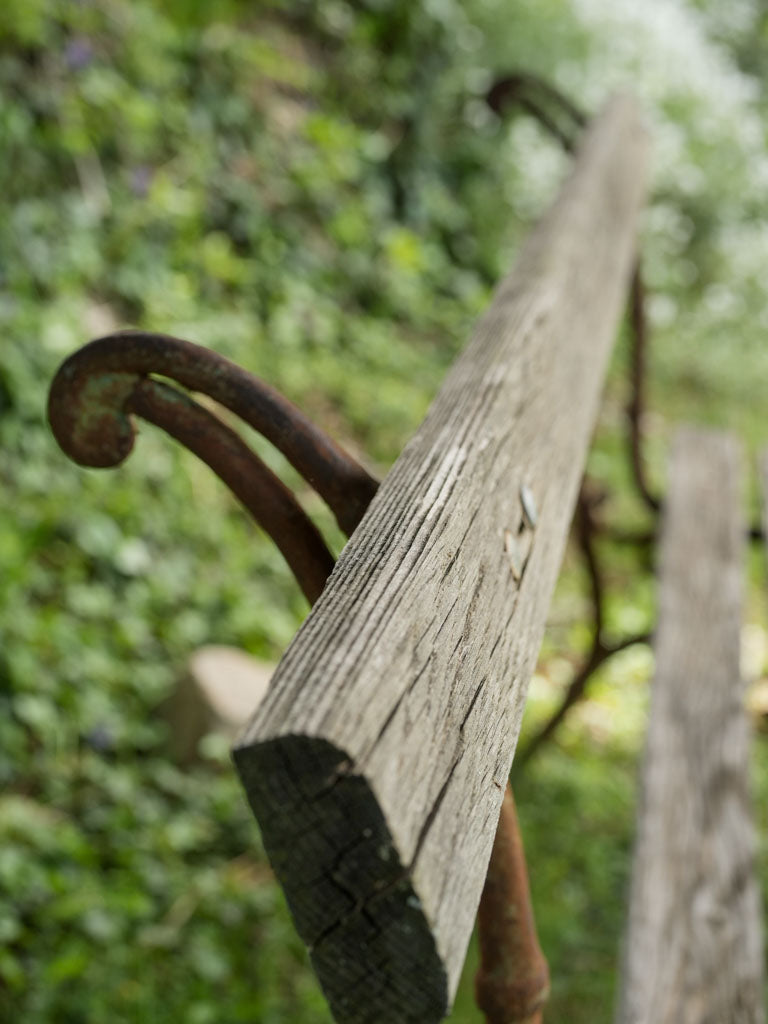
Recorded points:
(694, 945)
(377, 763)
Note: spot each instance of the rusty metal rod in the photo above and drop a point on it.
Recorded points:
(636, 405)
(516, 85)
(585, 531)
(268, 500)
(512, 982)
(556, 113)
(97, 434)
(601, 649)
(264, 495)
(599, 653)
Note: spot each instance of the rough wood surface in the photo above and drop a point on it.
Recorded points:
(694, 945)
(377, 763)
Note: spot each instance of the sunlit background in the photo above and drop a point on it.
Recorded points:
(320, 192)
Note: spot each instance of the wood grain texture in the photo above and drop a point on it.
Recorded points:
(694, 944)
(377, 763)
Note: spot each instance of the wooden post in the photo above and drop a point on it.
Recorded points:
(377, 763)
(694, 944)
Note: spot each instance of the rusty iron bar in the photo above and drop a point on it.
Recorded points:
(543, 101)
(97, 389)
(512, 982)
(263, 494)
(541, 87)
(601, 649)
(585, 525)
(599, 653)
(636, 405)
(95, 432)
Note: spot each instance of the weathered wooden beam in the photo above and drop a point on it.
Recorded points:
(377, 764)
(694, 943)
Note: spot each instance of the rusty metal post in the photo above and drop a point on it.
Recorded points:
(512, 982)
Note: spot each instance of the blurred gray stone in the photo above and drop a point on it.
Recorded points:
(219, 690)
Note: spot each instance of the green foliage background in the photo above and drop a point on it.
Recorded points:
(318, 191)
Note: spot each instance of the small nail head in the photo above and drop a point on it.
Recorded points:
(513, 554)
(530, 512)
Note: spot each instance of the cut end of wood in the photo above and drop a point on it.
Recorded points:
(351, 896)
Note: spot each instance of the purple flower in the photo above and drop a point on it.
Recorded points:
(141, 178)
(79, 53)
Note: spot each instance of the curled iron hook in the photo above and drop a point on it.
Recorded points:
(86, 410)
(99, 388)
